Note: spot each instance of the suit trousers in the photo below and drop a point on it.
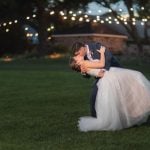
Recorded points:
(93, 98)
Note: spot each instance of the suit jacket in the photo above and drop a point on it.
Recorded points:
(110, 60)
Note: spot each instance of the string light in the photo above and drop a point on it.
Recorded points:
(27, 35)
(87, 20)
(86, 16)
(65, 17)
(10, 22)
(49, 38)
(81, 18)
(145, 20)
(33, 15)
(102, 21)
(107, 19)
(80, 12)
(62, 13)
(26, 29)
(133, 23)
(7, 30)
(97, 18)
(52, 13)
(94, 21)
(124, 19)
(131, 9)
(31, 34)
(70, 12)
(36, 34)
(27, 18)
(74, 15)
(48, 29)
(133, 19)
(110, 22)
(73, 18)
(52, 27)
(4, 24)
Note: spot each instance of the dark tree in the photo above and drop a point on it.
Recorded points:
(20, 9)
(137, 9)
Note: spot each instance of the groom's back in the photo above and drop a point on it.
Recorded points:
(110, 60)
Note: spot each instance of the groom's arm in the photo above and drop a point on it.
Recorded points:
(108, 58)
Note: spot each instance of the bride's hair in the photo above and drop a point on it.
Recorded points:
(74, 66)
(76, 46)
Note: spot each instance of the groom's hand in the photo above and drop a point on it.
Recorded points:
(101, 73)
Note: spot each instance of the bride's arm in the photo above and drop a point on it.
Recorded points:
(96, 72)
(96, 64)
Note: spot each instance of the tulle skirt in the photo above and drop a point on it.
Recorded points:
(123, 100)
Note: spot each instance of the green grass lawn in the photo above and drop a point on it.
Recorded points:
(40, 103)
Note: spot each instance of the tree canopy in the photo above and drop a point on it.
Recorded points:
(136, 10)
(20, 10)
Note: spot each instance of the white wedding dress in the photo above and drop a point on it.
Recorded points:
(123, 100)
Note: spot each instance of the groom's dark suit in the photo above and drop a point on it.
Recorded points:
(109, 62)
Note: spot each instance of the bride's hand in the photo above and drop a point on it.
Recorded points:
(79, 62)
(102, 49)
(84, 68)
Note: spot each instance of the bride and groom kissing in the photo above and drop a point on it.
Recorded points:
(120, 97)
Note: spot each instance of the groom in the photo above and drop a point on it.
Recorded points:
(89, 52)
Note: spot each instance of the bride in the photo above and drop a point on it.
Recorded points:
(123, 97)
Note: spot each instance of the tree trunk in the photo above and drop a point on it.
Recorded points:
(42, 31)
(146, 32)
(140, 49)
